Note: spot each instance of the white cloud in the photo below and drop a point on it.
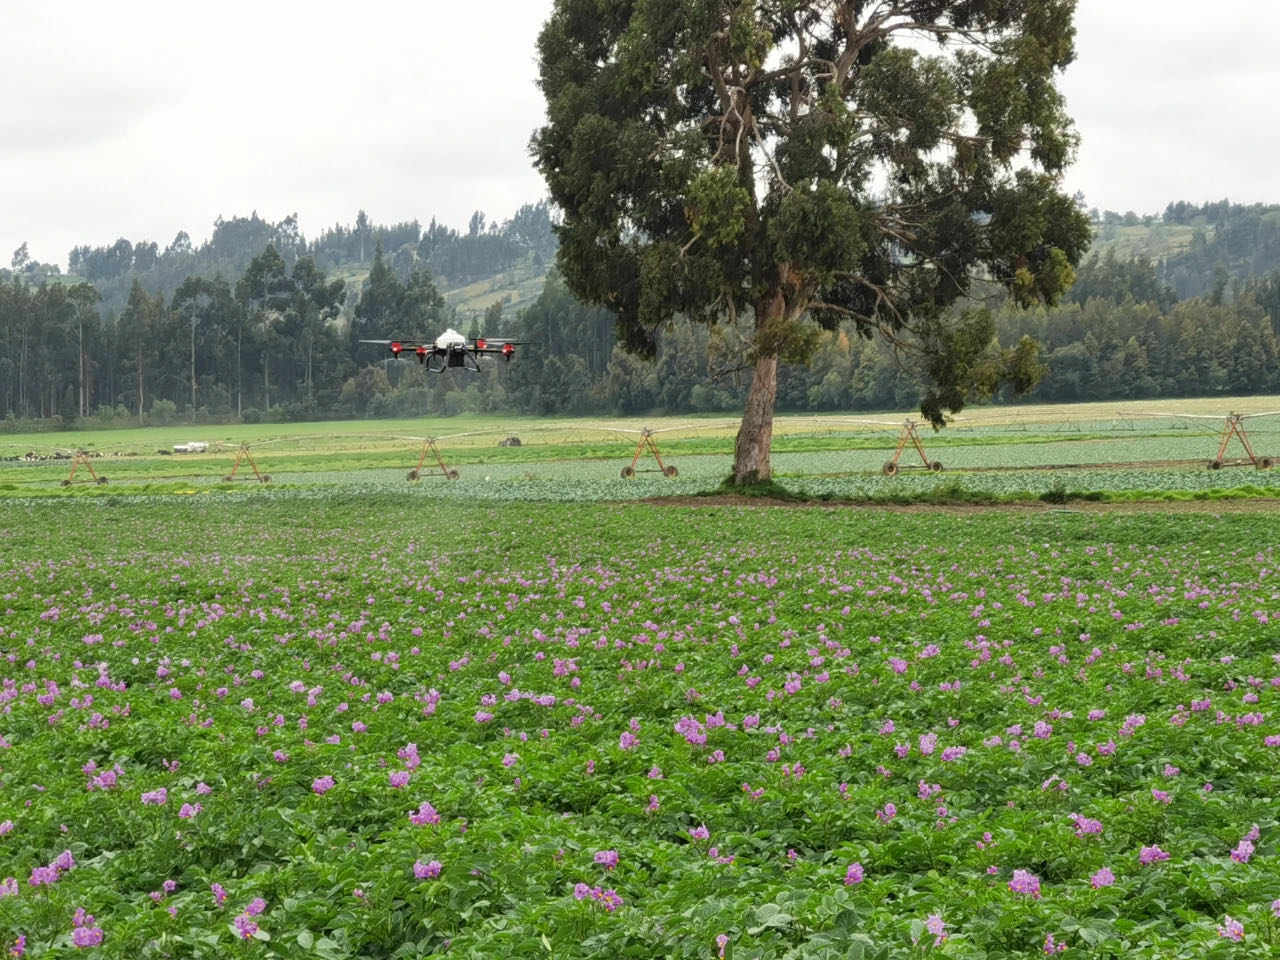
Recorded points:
(1173, 100)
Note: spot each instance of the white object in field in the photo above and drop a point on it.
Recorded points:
(194, 446)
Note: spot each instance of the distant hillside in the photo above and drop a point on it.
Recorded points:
(515, 287)
(1189, 251)
(1196, 250)
(1154, 240)
(491, 261)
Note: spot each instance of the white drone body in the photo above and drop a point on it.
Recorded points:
(450, 338)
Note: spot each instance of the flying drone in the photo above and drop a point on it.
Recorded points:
(453, 349)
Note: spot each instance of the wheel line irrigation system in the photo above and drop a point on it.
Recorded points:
(1223, 435)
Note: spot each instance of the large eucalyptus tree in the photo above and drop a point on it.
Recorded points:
(847, 160)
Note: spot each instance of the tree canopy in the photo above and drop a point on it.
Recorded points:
(786, 162)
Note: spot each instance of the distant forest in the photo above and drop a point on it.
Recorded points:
(260, 323)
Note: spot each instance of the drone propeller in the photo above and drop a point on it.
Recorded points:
(399, 347)
(493, 345)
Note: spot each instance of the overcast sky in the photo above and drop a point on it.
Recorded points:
(141, 118)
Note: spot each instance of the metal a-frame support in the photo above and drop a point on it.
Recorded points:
(81, 459)
(909, 434)
(429, 446)
(243, 455)
(648, 443)
(1234, 427)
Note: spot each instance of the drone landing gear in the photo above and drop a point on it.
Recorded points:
(243, 455)
(647, 442)
(81, 459)
(429, 446)
(1234, 427)
(909, 433)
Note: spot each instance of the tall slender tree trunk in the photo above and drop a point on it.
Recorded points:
(83, 412)
(193, 371)
(22, 376)
(755, 435)
(139, 366)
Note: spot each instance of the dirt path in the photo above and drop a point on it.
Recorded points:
(966, 509)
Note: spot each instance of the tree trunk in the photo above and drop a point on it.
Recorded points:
(193, 371)
(755, 436)
(22, 375)
(80, 406)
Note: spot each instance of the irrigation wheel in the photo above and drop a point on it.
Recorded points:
(1264, 463)
(936, 466)
(628, 473)
(670, 470)
(889, 469)
(1215, 464)
(453, 474)
(413, 475)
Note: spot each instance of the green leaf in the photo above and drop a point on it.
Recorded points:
(770, 916)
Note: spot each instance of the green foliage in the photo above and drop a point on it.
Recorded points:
(163, 412)
(1114, 350)
(41, 370)
(717, 207)
(819, 229)
(1105, 276)
(967, 356)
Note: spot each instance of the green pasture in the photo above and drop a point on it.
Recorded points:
(1160, 450)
